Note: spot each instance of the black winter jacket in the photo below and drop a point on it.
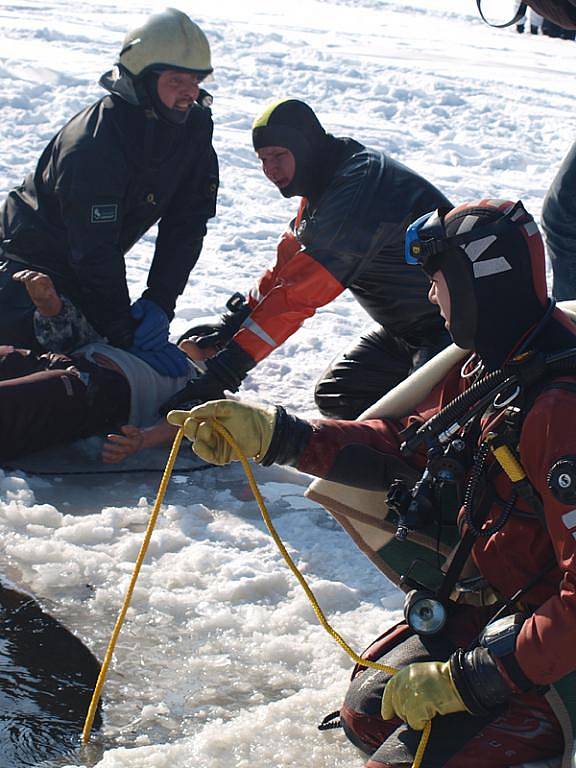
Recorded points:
(377, 199)
(562, 12)
(351, 235)
(103, 181)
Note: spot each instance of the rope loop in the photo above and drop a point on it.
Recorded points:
(285, 554)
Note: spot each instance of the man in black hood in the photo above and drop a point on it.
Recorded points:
(139, 156)
(291, 125)
(348, 233)
(486, 646)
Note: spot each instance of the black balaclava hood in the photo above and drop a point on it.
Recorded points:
(172, 116)
(497, 283)
(143, 92)
(293, 125)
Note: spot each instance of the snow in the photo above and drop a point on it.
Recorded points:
(221, 660)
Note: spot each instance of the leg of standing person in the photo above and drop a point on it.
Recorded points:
(551, 29)
(559, 225)
(371, 366)
(361, 374)
(535, 21)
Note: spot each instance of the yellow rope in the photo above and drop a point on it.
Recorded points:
(120, 620)
(311, 597)
(279, 543)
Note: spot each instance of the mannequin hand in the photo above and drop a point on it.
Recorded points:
(196, 351)
(119, 447)
(41, 290)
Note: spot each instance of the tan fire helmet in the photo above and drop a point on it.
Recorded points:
(166, 40)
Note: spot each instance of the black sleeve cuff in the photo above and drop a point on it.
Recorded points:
(231, 366)
(289, 440)
(478, 681)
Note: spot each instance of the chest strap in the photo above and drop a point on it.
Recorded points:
(512, 467)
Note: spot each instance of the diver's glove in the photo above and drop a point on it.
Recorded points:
(473, 681)
(217, 335)
(419, 692)
(251, 426)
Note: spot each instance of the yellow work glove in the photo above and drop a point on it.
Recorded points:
(251, 426)
(419, 692)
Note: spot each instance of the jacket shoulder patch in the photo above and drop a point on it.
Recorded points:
(561, 479)
(104, 213)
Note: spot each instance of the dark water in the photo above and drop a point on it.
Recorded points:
(47, 677)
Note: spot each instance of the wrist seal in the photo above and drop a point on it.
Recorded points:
(289, 439)
(230, 366)
(476, 673)
(478, 681)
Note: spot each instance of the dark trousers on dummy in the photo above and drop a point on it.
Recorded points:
(559, 224)
(49, 399)
(524, 731)
(373, 365)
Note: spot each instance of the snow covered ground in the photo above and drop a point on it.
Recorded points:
(221, 661)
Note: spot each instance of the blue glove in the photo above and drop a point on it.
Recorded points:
(167, 360)
(151, 333)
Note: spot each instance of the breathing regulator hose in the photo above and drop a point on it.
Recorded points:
(285, 554)
(520, 372)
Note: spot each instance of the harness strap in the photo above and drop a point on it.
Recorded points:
(461, 555)
(510, 462)
(516, 473)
